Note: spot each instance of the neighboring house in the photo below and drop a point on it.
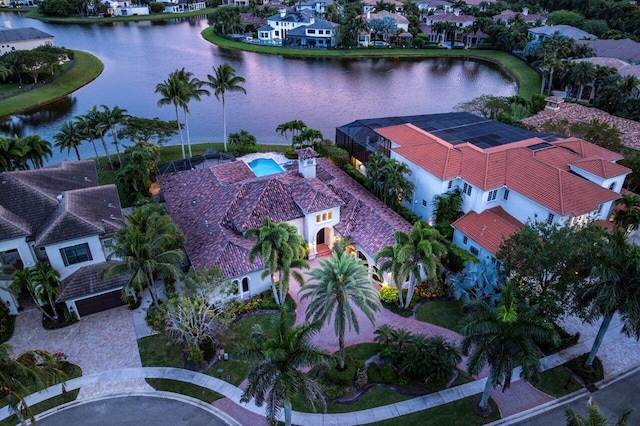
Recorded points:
(214, 206)
(428, 6)
(453, 29)
(479, 2)
(59, 214)
(625, 50)
(23, 39)
(623, 68)
(311, 31)
(509, 15)
(181, 6)
(319, 7)
(401, 21)
(508, 175)
(125, 8)
(370, 5)
(545, 32)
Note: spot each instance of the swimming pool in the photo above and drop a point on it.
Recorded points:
(264, 167)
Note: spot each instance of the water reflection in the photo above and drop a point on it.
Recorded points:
(324, 93)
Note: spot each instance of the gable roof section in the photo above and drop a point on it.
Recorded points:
(11, 226)
(87, 281)
(311, 195)
(488, 228)
(232, 172)
(82, 212)
(599, 167)
(22, 34)
(587, 149)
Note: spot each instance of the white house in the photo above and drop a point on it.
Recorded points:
(319, 7)
(181, 6)
(529, 18)
(23, 39)
(125, 8)
(213, 207)
(370, 5)
(59, 215)
(298, 28)
(507, 175)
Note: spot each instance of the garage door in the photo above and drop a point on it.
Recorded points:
(99, 303)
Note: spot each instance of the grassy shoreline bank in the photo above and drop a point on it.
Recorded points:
(86, 69)
(34, 14)
(526, 77)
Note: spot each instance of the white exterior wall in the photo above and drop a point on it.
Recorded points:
(458, 239)
(310, 228)
(53, 253)
(256, 284)
(25, 45)
(7, 297)
(24, 250)
(131, 11)
(522, 208)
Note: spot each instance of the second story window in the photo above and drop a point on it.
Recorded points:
(467, 189)
(492, 195)
(506, 194)
(550, 218)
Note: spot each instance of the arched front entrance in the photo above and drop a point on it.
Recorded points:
(323, 239)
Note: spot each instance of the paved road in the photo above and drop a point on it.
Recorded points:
(134, 411)
(612, 399)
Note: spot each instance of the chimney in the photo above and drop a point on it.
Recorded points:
(7, 25)
(307, 162)
(283, 12)
(368, 15)
(525, 11)
(456, 11)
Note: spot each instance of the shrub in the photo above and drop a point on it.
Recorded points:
(337, 155)
(156, 7)
(291, 154)
(456, 257)
(208, 347)
(355, 174)
(65, 319)
(157, 318)
(388, 294)
(408, 214)
(374, 374)
(7, 323)
(429, 291)
(388, 374)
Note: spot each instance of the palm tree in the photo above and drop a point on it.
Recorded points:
(446, 210)
(111, 118)
(614, 288)
(225, 80)
(18, 375)
(375, 168)
(306, 137)
(396, 186)
(192, 90)
(23, 280)
(338, 283)
(277, 377)
(582, 73)
(95, 120)
(32, 149)
(414, 254)
(281, 248)
(46, 285)
(171, 93)
(294, 126)
(596, 418)
(628, 218)
(88, 132)
(503, 338)
(70, 136)
(148, 245)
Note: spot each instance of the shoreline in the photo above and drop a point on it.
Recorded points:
(86, 69)
(78, 20)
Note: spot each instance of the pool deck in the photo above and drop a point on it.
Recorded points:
(275, 156)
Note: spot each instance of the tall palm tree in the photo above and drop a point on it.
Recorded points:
(503, 338)
(281, 248)
(596, 418)
(277, 377)
(18, 375)
(96, 122)
(147, 246)
(614, 288)
(46, 283)
(111, 118)
(171, 93)
(396, 186)
(23, 280)
(225, 80)
(414, 254)
(294, 126)
(447, 208)
(375, 169)
(69, 136)
(338, 283)
(582, 73)
(29, 149)
(88, 132)
(192, 90)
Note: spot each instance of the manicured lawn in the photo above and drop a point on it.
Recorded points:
(527, 78)
(361, 352)
(8, 87)
(156, 351)
(82, 20)
(183, 388)
(454, 413)
(86, 69)
(558, 382)
(445, 314)
(72, 372)
(374, 397)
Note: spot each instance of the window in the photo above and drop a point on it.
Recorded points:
(506, 194)
(474, 251)
(330, 215)
(324, 217)
(465, 240)
(424, 203)
(600, 208)
(450, 184)
(76, 254)
(492, 195)
(317, 218)
(311, 31)
(612, 186)
(550, 218)
(467, 189)
(245, 285)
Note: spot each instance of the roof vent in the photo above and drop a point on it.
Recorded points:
(112, 217)
(193, 202)
(110, 205)
(86, 179)
(60, 197)
(206, 223)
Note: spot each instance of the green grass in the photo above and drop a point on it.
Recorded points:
(76, 19)
(454, 413)
(183, 388)
(445, 314)
(157, 351)
(86, 69)
(72, 372)
(558, 382)
(361, 352)
(8, 87)
(527, 78)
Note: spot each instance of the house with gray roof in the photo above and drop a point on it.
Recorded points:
(60, 215)
(548, 31)
(310, 31)
(213, 207)
(23, 39)
(625, 50)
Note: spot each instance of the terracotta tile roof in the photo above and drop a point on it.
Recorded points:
(86, 281)
(602, 168)
(451, 17)
(488, 228)
(604, 223)
(400, 19)
(588, 149)
(82, 212)
(32, 196)
(213, 213)
(306, 153)
(232, 172)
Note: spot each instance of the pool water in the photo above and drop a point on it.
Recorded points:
(264, 167)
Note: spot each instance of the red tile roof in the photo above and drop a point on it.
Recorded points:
(602, 168)
(488, 228)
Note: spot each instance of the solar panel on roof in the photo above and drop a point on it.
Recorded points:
(539, 146)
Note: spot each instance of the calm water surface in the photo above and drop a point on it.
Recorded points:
(324, 93)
